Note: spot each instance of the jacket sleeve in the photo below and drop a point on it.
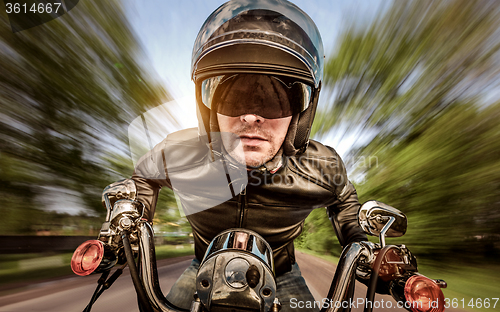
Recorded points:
(343, 211)
(343, 215)
(150, 175)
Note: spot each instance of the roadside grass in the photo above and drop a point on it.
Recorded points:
(18, 269)
(174, 251)
(468, 286)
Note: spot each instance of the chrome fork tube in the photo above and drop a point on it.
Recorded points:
(344, 275)
(149, 273)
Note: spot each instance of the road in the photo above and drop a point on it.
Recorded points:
(72, 294)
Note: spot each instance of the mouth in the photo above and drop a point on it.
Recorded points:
(252, 140)
(252, 137)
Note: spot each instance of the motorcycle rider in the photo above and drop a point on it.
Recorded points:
(257, 67)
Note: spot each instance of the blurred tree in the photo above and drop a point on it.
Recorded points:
(419, 82)
(318, 234)
(413, 62)
(168, 214)
(447, 181)
(68, 90)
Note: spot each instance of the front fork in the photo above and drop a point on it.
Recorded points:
(345, 277)
(148, 270)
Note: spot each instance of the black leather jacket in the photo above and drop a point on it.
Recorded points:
(274, 205)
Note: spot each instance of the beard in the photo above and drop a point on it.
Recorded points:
(251, 156)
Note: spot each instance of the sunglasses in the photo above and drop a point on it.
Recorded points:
(268, 96)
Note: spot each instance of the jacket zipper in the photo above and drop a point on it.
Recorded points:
(242, 205)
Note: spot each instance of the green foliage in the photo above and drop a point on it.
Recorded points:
(466, 282)
(410, 64)
(68, 90)
(13, 272)
(318, 234)
(173, 251)
(418, 83)
(167, 215)
(446, 181)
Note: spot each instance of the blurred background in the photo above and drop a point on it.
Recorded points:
(410, 101)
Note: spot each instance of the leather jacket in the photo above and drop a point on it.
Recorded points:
(274, 205)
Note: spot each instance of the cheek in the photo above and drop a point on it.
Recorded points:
(280, 129)
(226, 123)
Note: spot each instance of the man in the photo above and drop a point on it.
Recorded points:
(257, 66)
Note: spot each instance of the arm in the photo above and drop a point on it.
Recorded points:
(343, 212)
(149, 177)
(343, 215)
(147, 193)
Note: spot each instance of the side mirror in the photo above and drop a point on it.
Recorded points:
(379, 219)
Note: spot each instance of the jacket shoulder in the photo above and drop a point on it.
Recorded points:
(318, 149)
(322, 165)
(179, 149)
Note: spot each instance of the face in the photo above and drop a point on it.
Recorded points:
(259, 138)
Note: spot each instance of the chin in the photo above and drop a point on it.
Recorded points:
(254, 164)
(253, 160)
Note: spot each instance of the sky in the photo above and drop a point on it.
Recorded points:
(167, 30)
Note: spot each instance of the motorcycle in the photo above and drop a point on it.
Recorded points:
(237, 271)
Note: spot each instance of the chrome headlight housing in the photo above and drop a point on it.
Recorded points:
(237, 272)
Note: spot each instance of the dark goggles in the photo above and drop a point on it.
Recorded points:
(268, 96)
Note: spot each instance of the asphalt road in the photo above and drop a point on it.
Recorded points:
(72, 294)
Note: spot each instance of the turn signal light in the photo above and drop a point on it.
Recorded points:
(424, 294)
(87, 257)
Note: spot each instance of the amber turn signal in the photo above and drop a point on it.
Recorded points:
(424, 294)
(87, 257)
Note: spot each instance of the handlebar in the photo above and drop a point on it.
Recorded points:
(345, 273)
(342, 281)
(149, 272)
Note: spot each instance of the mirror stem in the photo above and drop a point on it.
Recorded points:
(386, 228)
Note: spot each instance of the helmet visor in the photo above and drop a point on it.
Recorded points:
(268, 96)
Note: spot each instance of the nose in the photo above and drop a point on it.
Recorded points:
(251, 118)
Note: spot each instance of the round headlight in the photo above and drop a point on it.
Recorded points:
(235, 272)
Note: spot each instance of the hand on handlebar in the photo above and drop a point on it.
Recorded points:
(123, 189)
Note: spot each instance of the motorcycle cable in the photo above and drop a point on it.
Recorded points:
(139, 288)
(103, 284)
(372, 286)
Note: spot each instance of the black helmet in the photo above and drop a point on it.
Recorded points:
(271, 37)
